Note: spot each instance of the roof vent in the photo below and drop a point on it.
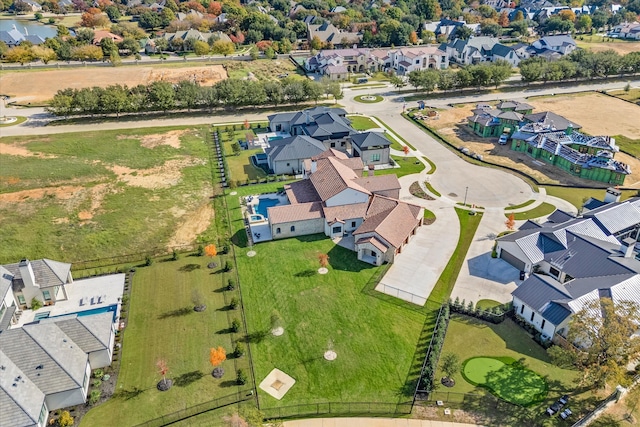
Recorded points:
(40, 366)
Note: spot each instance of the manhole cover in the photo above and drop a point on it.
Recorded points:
(452, 195)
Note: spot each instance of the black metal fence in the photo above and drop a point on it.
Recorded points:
(336, 409)
(430, 364)
(211, 405)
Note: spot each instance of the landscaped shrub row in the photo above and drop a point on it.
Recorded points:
(537, 336)
(494, 315)
(430, 365)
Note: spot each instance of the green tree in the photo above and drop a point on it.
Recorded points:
(428, 9)
(464, 32)
(21, 54)
(187, 93)
(161, 96)
(221, 47)
(130, 46)
(108, 46)
(201, 48)
(450, 364)
(397, 82)
(583, 23)
(61, 104)
(113, 13)
(114, 99)
(500, 71)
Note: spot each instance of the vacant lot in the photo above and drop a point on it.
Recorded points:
(262, 69)
(85, 196)
(597, 44)
(597, 114)
(38, 86)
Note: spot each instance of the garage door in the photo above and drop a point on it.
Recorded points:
(512, 260)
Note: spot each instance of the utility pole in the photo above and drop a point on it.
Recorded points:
(466, 190)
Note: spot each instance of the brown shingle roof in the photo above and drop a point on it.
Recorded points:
(295, 212)
(379, 183)
(331, 152)
(374, 241)
(301, 192)
(333, 177)
(392, 219)
(357, 210)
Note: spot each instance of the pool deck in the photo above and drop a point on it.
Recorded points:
(261, 230)
(83, 295)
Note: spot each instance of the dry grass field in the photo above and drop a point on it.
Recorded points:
(39, 86)
(597, 44)
(614, 117)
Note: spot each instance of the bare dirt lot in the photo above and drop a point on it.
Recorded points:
(621, 47)
(452, 124)
(39, 86)
(597, 114)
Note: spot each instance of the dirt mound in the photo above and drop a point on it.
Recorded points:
(192, 224)
(171, 138)
(63, 192)
(163, 176)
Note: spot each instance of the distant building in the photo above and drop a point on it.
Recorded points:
(627, 30)
(563, 44)
(328, 33)
(14, 37)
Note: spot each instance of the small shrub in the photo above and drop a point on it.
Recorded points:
(231, 285)
(200, 250)
(241, 377)
(174, 255)
(65, 419)
(36, 304)
(235, 302)
(94, 397)
(96, 383)
(148, 261)
(98, 373)
(235, 325)
(239, 350)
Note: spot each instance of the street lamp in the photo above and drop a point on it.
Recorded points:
(466, 190)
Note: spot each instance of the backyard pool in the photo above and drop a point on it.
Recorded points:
(263, 204)
(274, 138)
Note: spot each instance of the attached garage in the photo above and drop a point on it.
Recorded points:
(512, 259)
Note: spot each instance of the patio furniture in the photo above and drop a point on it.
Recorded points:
(565, 414)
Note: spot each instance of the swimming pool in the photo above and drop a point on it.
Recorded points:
(274, 138)
(263, 204)
(106, 309)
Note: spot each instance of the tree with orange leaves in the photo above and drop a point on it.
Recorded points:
(210, 250)
(216, 357)
(324, 260)
(511, 221)
(413, 37)
(405, 150)
(163, 369)
(246, 124)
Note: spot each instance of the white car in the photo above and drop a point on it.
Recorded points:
(503, 139)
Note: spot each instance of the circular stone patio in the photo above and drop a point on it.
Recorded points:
(368, 99)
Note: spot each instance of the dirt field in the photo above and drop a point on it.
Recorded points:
(621, 47)
(38, 86)
(451, 124)
(597, 114)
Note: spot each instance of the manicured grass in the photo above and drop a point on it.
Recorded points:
(399, 146)
(408, 166)
(375, 341)
(240, 166)
(362, 123)
(433, 190)
(468, 337)
(373, 86)
(628, 145)
(505, 378)
(19, 119)
(521, 205)
(487, 303)
(74, 176)
(446, 281)
(163, 325)
(632, 95)
(541, 210)
(578, 196)
(429, 217)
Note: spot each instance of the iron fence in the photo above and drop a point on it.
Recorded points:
(337, 409)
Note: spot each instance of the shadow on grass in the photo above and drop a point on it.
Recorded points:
(128, 394)
(188, 378)
(306, 273)
(220, 290)
(256, 337)
(176, 313)
(189, 267)
(346, 260)
(225, 331)
(240, 238)
(229, 383)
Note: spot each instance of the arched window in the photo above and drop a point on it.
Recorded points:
(293, 228)
(278, 230)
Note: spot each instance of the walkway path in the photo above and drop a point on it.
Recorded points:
(372, 422)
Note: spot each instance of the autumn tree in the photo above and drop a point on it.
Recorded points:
(19, 54)
(567, 15)
(163, 369)
(93, 18)
(210, 250)
(215, 8)
(511, 221)
(222, 47)
(246, 124)
(503, 19)
(413, 37)
(216, 357)
(43, 53)
(324, 260)
(405, 149)
(602, 331)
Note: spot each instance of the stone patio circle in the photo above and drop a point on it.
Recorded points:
(323, 270)
(233, 193)
(251, 254)
(277, 384)
(276, 332)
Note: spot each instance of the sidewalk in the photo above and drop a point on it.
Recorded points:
(372, 422)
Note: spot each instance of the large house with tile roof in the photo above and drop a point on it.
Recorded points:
(287, 155)
(372, 147)
(335, 199)
(329, 34)
(573, 261)
(47, 365)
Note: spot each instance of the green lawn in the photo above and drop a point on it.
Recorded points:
(631, 146)
(468, 337)
(487, 303)
(240, 166)
(375, 341)
(362, 123)
(541, 210)
(20, 119)
(505, 378)
(408, 165)
(397, 146)
(163, 325)
(577, 196)
(135, 195)
(632, 95)
(521, 205)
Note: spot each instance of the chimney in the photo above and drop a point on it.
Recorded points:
(612, 195)
(26, 271)
(371, 170)
(569, 129)
(314, 166)
(627, 247)
(26, 32)
(306, 113)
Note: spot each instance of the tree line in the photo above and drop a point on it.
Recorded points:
(580, 64)
(186, 94)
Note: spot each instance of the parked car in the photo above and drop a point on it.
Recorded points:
(503, 139)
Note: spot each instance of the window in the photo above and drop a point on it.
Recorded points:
(522, 309)
(21, 299)
(373, 253)
(554, 272)
(293, 228)
(333, 145)
(278, 230)
(533, 314)
(542, 324)
(353, 224)
(3, 308)
(46, 295)
(278, 128)
(337, 230)
(43, 415)
(375, 157)
(288, 164)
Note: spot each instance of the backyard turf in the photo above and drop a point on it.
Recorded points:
(505, 378)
